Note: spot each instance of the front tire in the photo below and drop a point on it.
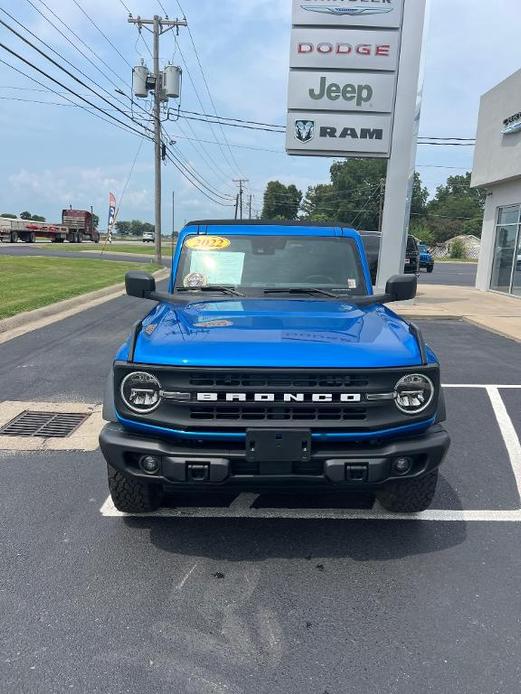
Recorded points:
(131, 495)
(409, 496)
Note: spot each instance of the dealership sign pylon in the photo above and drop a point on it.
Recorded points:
(353, 92)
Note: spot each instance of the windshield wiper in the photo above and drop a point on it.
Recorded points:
(299, 290)
(211, 288)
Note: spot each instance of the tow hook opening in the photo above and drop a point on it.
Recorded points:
(197, 472)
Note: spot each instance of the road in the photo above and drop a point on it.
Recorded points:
(54, 251)
(226, 605)
(460, 274)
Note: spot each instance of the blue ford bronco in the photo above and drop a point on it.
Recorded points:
(270, 364)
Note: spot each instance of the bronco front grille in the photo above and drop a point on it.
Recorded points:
(184, 410)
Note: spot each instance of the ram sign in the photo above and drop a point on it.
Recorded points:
(344, 63)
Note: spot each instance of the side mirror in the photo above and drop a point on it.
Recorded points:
(401, 287)
(139, 284)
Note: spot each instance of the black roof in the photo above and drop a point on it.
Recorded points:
(265, 222)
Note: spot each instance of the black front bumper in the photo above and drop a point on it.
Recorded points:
(218, 464)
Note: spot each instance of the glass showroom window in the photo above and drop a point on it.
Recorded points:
(506, 268)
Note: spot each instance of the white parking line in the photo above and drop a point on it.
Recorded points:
(242, 506)
(508, 433)
(242, 509)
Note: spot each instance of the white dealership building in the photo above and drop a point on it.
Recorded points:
(497, 169)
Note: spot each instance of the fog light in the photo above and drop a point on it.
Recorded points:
(402, 466)
(149, 464)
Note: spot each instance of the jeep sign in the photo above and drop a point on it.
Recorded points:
(348, 13)
(329, 134)
(341, 91)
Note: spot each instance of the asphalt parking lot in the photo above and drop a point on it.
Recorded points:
(260, 594)
(456, 274)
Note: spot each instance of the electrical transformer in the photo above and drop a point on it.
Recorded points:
(172, 81)
(139, 81)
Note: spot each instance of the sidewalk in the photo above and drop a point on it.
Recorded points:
(496, 312)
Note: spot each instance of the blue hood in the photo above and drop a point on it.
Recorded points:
(275, 333)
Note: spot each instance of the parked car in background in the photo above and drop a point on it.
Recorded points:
(149, 236)
(426, 259)
(371, 240)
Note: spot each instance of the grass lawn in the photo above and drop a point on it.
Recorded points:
(31, 282)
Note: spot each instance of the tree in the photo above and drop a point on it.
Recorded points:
(355, 195)
(134, 228)
(280, 201)
(8, 215)
(455, 209)
(37, 218)
(25, 215)
(95, 220)
(123, 228)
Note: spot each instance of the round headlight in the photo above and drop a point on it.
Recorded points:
(141, 392)
(414, 393)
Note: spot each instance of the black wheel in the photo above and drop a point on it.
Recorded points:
(79, 237)
(430, 268)
(71, 237)
(409, 496)
(132, 495)
(14, 236)
(31, 238)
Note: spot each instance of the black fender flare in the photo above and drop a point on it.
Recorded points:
(109, 410)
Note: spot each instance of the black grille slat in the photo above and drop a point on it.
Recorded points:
(239, 413)
(273, 380)
(44, 424)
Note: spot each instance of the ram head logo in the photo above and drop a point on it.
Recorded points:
(304, 130)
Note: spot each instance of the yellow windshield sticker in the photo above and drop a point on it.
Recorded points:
(207, 243)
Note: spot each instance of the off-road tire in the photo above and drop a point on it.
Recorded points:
(409, 496)
(132, 495)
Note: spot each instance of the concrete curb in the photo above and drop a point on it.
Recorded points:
(32, 320)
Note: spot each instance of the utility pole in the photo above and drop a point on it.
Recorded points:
(241, 182)
(249, 206)
(159, 27)
(236, 205)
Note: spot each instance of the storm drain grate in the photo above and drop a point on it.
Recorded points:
(45, 424)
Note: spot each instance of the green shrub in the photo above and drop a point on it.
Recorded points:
(457, 250)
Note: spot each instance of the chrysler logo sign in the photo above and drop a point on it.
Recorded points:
(354, 8)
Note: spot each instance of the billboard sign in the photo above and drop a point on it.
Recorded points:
(341, 91)
(338, 49)
(331, 134)
(348, 13)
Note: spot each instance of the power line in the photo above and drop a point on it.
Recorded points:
(198, 58)
(67, 38)
(81, 72)
(200, 101)
(101, 32)
(126, 128)
(60, 67)
(71, 91)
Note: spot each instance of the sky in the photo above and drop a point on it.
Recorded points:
(55, 156)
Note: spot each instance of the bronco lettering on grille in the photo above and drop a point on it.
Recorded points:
(279, 397)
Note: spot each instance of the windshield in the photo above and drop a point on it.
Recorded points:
(278, 262)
